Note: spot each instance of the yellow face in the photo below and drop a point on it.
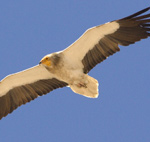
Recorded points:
(45, 61)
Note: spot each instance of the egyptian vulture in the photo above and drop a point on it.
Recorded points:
(70, 67)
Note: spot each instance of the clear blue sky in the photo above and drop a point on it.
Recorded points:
(30, 29)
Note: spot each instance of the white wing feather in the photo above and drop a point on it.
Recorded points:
(86, 42)
(28, 76)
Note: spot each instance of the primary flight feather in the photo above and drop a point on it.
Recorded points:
(70, 66)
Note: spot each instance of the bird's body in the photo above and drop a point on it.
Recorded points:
(72, 73)
(70, 67)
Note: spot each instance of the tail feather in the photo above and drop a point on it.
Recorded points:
(91, 89)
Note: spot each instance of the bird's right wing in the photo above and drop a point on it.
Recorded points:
(24, 86)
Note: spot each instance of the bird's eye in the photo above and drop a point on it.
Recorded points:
(46, 58)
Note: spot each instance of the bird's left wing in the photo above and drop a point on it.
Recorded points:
(24, 86)
(99, 42)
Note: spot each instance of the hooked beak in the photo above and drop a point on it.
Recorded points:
(45, 62)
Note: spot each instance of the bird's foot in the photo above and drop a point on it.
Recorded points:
(81, 85)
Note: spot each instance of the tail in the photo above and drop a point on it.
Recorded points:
(91, 89)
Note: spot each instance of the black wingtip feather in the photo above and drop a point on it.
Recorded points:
(136, 14)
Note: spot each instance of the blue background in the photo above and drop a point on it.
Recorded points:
(30, 29)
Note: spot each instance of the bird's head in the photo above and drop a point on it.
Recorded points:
(51, 60)
(46, 61)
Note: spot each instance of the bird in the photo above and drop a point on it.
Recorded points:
(70, 67)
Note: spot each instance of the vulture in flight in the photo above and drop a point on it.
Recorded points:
(70, 67)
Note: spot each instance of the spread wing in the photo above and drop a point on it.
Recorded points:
(22, 87)
(99, 42)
